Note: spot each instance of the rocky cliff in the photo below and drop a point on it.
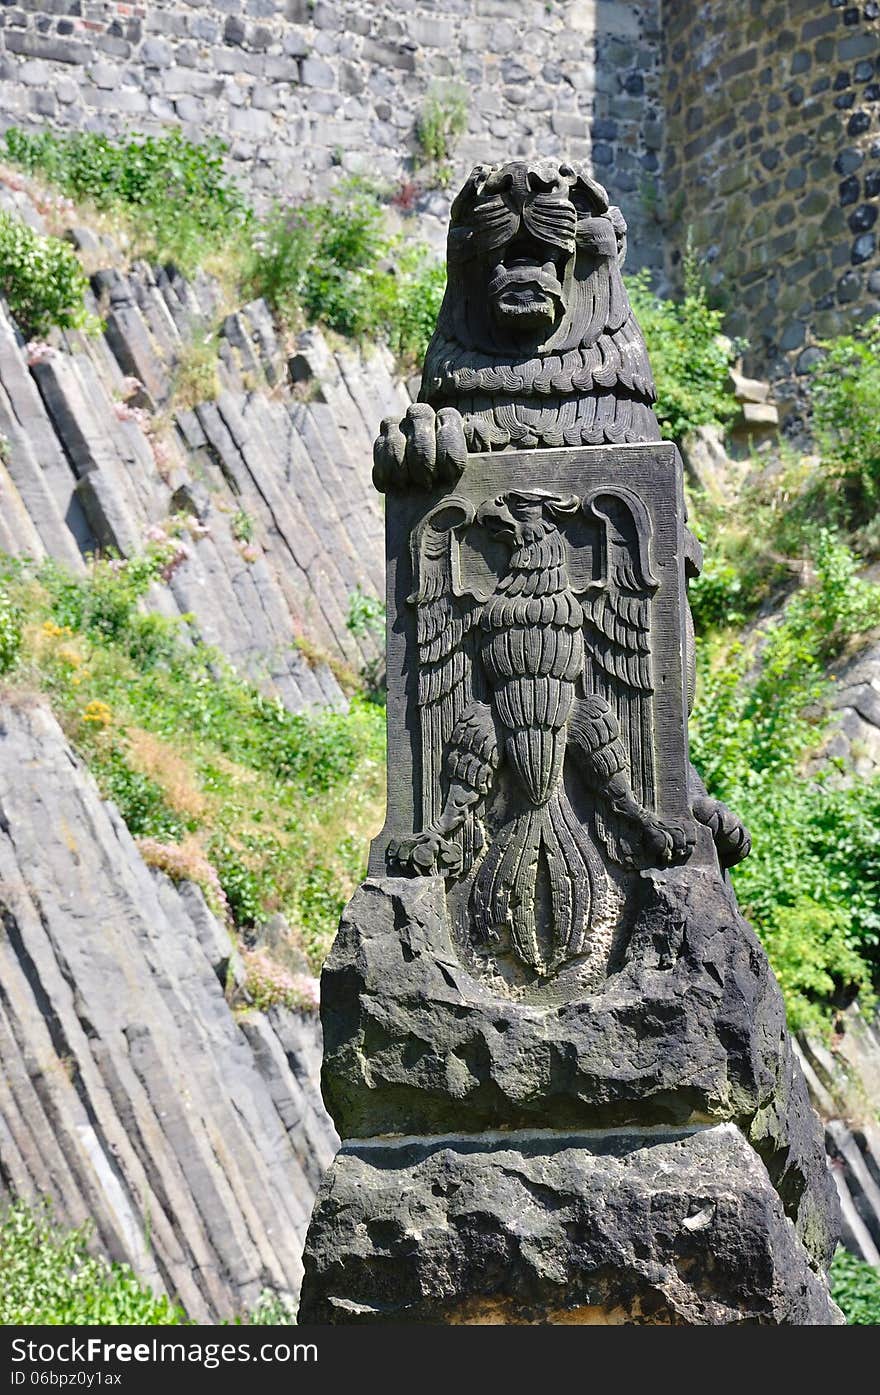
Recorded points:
(192, 1135)
(271, 474)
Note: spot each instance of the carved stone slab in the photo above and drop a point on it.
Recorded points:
(537, 703)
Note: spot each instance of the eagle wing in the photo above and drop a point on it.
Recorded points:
(617, 635)
(445, 617)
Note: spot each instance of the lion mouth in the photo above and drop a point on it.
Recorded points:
(526, 292)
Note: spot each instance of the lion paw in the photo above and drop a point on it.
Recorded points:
(425, 449)
(427, 853)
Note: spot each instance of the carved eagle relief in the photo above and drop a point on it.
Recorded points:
(512, 686)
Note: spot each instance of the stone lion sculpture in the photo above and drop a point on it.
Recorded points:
(536, 344)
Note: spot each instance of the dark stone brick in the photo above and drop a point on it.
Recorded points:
(872, 92)
(801, 61)
(862, 218)
(860, 45)
(821, 84)
(851, 15)
(849, 287)
(634, 84)
(796, 95)
(808, 360)
(874, 283)
(769, 159)
(845, 101)
(847, 160)
(842, 80)
(792, 336)
(603, 154)
(858, 123)
(796, 178)
(872, 185)
(604, 129)
(815, 28)
(863, 248)
(863, 70)
(849, 190)
(234, 31)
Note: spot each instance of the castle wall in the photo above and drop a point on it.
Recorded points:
(772, 165)
(747, 125)
(305, 92)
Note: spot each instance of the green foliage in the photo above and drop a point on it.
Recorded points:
(220, 782)
(689, 355)
(812, 884)
(335, 262)
(845, 390)
(366, 614)
(10, 631)
(855, 1287)
(140, 800)
(41, 279)
(50, 1277)
(242, 526)
(177, 191)
(442, 120)
(718, 595)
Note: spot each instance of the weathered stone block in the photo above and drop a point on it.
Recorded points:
(603, 1228)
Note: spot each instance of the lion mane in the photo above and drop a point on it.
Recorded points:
(585, 379)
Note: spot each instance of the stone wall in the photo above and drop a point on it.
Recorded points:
(772, 164)
(304, 91)
(747, 124)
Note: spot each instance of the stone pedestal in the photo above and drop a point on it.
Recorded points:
(644, 1154)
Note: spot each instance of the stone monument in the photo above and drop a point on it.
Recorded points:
(554, 1049)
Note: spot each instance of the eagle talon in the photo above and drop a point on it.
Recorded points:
(668, 843)
(424, 449)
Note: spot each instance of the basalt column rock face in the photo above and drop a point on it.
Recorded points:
(554, 1049)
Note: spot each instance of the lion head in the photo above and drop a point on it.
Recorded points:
(536, 315)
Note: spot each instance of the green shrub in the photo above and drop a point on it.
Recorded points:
(336, 263)
(41, 279)
(442, 120)
(812, 884)
(177, 191)
(855, 1287)
(845, 390)
(366, 614)
(50, 1277)
(689, 355)
(10, 631)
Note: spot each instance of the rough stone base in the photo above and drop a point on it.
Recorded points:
(675, 1227)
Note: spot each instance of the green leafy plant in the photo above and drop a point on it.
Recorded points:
(50, 1277)
(689, 355)
(336, 263)
(366, 614)
(42, 280)
(10, 631)
(175, 191)
(242, 526)
(845, 390)
(812, 884)
(442, 120)
(855, 1287)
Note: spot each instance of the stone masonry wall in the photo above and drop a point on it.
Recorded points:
(306, 91)
(772, 165)
(748, 125)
